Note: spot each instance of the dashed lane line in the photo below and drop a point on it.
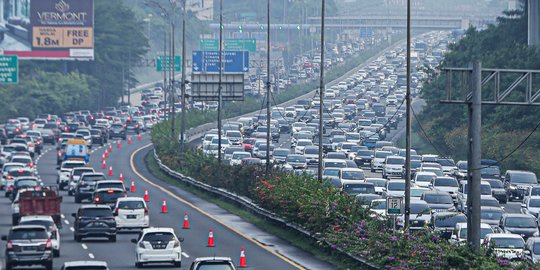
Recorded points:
(185, 255)
(91, 256)
(84, 246)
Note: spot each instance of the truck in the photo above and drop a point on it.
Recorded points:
(37, 201)
(76, 149)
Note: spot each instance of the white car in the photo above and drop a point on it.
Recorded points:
(446, 184)
(378, 207)
(158, 245)
(301, 145)
(393, 166)
(423, 179)
(48, 223)
(378, 159)
(237, 157)
(131, 213)
(64, 171)
(505, 245)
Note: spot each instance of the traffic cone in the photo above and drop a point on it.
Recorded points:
(139, 137)
(118, 144)
(121, 177)
(110, 171)
(211, 239)
(110, 147)
(129, 140)
(104, 165)
(132, 188)
(186, 222)
(164, 206)
(146, 198)
(243, 263)
(106, 153)
(103, 158)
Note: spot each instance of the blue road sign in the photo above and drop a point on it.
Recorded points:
(232, 61)
(366, 32)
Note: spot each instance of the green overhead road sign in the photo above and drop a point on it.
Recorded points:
(9, 69)
(241, 44)
(209, 45)
(229, 44)
(164, 62)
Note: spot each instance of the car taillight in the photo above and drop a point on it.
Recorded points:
(9, 177)
(136, 126)
(97, 199)
(9, 245)
(31, 165)
(116, 211)
(59, 139)
(38, 142)
(46, 246)
(59, 153)
(176, 244)
(146, 210)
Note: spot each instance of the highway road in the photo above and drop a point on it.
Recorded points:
(263, 251)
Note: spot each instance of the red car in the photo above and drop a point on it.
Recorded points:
(248, 144)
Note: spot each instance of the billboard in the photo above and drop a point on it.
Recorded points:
(50, 29)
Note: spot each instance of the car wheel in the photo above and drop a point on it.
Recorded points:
(56, 253)
(138, 265)
(14, 220)
(49, 265)
(372, 170)
(112, 238)
(9, 266)
(77, 238)
(177, 264)
(77, 199)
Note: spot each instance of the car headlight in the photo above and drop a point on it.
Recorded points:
(512, 187)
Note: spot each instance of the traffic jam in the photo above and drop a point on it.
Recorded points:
(363, 112)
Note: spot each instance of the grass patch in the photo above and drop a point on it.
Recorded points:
(294, 238)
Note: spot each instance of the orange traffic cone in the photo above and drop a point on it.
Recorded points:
(121, 177)
(164, 206)
(129, 140)
(186, 222)
(103, 158)
(110, 171)
(146, 198)
(104, 165)
(243, 263)
(118, 144)
(132, 188)
(211, 239)
(139, 137)
(110, 147)
(106, 153)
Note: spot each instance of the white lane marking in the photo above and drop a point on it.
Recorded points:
(91, 255)
(84, 246)
(71, 229)
(65, 221)
(62, 215)
(185, 255)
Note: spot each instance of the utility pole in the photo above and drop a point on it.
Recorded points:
(220, 73)
(474, 156)
(172, 81)
(533, 22)
(321, 99)
(408, 125)
(183, 112)
(268, 88)
(164, 73)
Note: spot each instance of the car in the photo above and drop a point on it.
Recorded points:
(86, 135)
(28, 245)
(379, 183)
(491, 215)
(132, 126)
(24, 182)
(516, 183)
(395, 188)
(419, 217)
(117, 131)
(13, 174)
(443, 223)
(531, 206)
(447, 184)
(64, 172)
(85, 265)
(378, 207)
(378, 159)
(131, 213)
(393, 166)
(353, 174)
(498, 191)
(365, 199)
(363, 157)
(485, 192)
(238, 156)
(296, 161)
(158, 245)
(94, 221)
(98, 138)
(459, 235)
(85, 185)
(439, 201)
(48, 223)
(520, 224)
(107, 196)
(353, 187)
(532, 250)
(221, 263)
(505, 245)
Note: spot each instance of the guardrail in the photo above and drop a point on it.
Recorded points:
(247, 204)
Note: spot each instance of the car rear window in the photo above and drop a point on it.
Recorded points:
(158, 236)
(28, 234)
(20, 173)
(109, 185)
(109, 195)
(93, 177)
(96, 212)
(86, 267)
(214, 266)
(78, 172)
(130, 205)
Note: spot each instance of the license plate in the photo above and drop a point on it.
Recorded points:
(29, 248)
(131, 216)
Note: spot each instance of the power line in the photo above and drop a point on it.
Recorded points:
(425, 134)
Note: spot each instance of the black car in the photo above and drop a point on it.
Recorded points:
(12, 129)
(97, 136)
(133, 126)
(363, 157)
(517, 183)
(86, 186)
(28, 245)
(3, 136)
(443, 223)
(108, 196)
(94, 221)
(72, 127)
(520, 224)
(117, 131)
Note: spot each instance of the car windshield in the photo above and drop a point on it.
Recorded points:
(397, 185)
(483, 232)
(364, 153)
(503, 242)
(494, 183)
(424, 178)
(521, 222)
(419, 208)
(417, 192)
(377, 182)
(27, 183)
(45, 223)
(130, 205)
(395, 161)
(304, 143)
(296, 159)
(353, 189)
(524, 178)
(110, 185)
(445, 182)
(438, 198)
(534, 203)
(28, 234)
(490, 171)
(95, 212)
(331, 172)
(379, 205)
(311, 151)
(241, 156)
(491, 215)
(489, 202)
(352, 175)
(446, 162)
(159, 237)
(449, 220)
